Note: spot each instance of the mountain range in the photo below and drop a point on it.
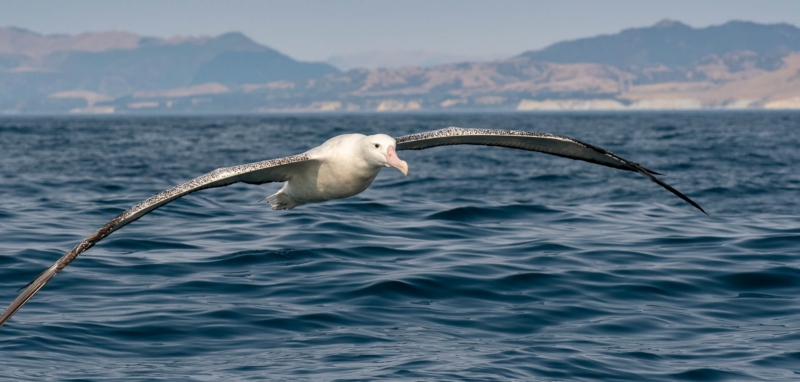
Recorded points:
(669, 65)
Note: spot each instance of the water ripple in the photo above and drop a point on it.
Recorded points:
(482, 264)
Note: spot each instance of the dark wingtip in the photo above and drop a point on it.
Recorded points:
(677, 193)
(649, 171)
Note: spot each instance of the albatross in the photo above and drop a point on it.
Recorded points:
(341, 167)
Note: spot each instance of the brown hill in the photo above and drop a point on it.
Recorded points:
(678, 67)
(17, 41)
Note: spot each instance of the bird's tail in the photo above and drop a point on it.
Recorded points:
(281, 201)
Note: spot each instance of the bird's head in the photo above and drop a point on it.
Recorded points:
(379, 150)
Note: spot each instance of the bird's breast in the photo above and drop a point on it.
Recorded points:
(331, 181)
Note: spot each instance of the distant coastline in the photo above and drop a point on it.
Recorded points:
(668, 66)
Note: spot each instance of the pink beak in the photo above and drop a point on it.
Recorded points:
(394, 161)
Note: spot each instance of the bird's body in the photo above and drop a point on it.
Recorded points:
(341, 167)
(334, 172)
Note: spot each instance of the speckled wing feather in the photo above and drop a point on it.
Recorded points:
(274, 170)
(532, 141)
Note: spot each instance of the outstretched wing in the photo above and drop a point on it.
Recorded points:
(274, 170)
(532, 141)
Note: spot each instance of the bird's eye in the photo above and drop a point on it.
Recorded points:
(377, 145)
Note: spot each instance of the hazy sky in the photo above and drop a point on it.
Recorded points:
(315, 30)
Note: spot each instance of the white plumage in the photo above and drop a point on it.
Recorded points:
(341, 167)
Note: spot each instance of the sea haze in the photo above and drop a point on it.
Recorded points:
(482, 264)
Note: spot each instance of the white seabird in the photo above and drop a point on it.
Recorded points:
(341, 167)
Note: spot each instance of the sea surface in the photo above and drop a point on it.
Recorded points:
(483, 264)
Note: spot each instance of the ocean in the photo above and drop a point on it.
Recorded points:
(483, 264)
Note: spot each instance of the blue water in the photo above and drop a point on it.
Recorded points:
(483, 264)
